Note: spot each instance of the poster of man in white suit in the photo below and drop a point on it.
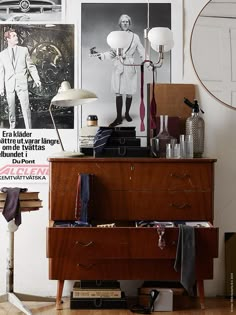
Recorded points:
(15, 64)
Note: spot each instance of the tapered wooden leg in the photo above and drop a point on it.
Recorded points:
(60, 285)
(200, 286)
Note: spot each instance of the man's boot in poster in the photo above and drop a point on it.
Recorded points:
(128, 105)
(119, 103)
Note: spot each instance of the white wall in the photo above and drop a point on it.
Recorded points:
(31, 265)
(220, 128)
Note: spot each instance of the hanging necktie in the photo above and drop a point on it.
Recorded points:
(142, 106)
(78, 200)
(153, 104)
(11, 208)
(13, 57)
(185, 259)
(82, 197)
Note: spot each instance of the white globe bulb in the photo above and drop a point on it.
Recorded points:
(119, 39)
(160, 35)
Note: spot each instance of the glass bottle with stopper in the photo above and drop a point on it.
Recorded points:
(159, 143)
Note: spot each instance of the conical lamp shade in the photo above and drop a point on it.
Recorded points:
(67, 97)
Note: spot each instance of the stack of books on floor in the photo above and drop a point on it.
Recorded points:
(28, 200)
(97, 294)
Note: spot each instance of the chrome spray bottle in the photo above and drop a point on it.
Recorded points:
(195, 126)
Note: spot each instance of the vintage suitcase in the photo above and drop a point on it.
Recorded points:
(124, 151)
(100, 303)
(123, 141)
(121, 132)
(106, 284)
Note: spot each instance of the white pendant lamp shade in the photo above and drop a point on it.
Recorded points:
(119, 39)
(67, 96)
(160, 36)
(165, 48)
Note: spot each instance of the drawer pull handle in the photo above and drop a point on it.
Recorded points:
(85, 266)
(180, 176)
(84, 244)
(122, 151)
(180, 206)
(98, 302)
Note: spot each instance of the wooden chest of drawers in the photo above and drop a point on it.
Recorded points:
(123, 191)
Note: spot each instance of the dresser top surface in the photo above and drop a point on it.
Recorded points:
(89, 159)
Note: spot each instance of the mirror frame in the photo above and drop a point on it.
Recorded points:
(194, 66)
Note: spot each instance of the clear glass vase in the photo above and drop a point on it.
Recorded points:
(158, 143)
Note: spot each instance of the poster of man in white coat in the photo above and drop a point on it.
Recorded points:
(118, 99)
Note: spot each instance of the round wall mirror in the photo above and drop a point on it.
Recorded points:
(213, 49)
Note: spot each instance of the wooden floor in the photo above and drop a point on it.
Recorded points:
(214, 306)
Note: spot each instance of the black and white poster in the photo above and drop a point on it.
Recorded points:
(32, 10)
(34, 60)
(119, 102)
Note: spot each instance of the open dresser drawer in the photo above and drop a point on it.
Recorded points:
(89, 252)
